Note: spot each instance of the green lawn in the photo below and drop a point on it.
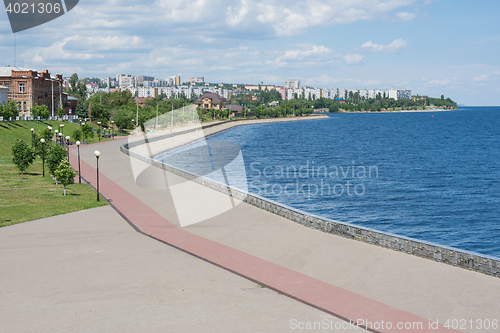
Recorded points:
(31, 196)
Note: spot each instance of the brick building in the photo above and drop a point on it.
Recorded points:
(30, 87)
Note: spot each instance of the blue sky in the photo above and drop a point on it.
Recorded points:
(448, 47)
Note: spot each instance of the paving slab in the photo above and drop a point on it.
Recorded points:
(420, 287)
(90, 271)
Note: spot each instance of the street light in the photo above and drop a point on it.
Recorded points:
(67, 142)
(99, 133)
(83, 132)
(97, 153)
(32, 129)
(61, 142)
(112, 126)
(79, 173)
(62, 128)
(43, 157)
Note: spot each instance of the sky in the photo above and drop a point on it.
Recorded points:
(433, 47)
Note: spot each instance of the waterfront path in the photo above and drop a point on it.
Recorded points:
(346, 278)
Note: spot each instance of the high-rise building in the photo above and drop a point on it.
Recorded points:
(126, 80)
(176, 80)
(142, 78)
(106, 81)
(292, 84)
(193, 80)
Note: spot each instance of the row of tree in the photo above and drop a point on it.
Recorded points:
(23, 155)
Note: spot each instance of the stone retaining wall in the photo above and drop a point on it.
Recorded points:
(468, 260)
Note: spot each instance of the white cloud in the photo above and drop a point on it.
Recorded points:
(484, 77)
(307, 55)
(264, 16)
(405, 16)
(393, 47)
(444, 82)
(487, 77)
(353, 59)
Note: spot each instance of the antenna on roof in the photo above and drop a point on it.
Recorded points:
(14, 49)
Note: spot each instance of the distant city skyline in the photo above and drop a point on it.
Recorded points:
(430, 47)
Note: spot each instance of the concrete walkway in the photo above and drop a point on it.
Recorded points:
(397, 282)
(341, 276)
(89, 271)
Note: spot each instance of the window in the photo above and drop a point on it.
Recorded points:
(22, 89)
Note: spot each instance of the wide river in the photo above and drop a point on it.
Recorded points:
(433, 176)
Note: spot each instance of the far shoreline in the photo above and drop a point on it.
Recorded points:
(399, 111)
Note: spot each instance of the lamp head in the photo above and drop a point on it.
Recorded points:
(60, 134)
(42, 140)
(97, 153)
(83, 124)
(32, 129)
(67, 138)
(62, 125)
(78, 143)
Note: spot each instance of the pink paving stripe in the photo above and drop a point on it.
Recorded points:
(336, 301)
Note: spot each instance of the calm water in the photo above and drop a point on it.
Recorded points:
(430, 176)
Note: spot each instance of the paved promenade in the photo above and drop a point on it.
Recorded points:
(242, 248)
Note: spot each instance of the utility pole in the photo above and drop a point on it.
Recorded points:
(52, 102)
(137, 117)
(156, 125)
(172, 121)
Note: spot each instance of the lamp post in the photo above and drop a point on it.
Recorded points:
(97, 153)
(113, 128)
(32, 129)
(61, 143)
(43, 157)
(56, 132)
(79, 174)
(62, 128)
(83, 132)
(99, 133)
(67, 143)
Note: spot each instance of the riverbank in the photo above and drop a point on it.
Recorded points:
(425, 249)
(162, 141)
(400, 111)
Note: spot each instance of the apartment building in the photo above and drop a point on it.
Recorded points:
(292, 84)
(194, 80)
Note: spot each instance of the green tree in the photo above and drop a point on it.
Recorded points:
(73, 81)
(60, 112)
(47, 134)
(40, 111)
(23, 155)
(123, 117)
(54, 155)
(99, 112)
(88, 132)
(11, 109)
(65, 174)
(77, 134)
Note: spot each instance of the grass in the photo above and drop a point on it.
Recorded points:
(30, 196)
